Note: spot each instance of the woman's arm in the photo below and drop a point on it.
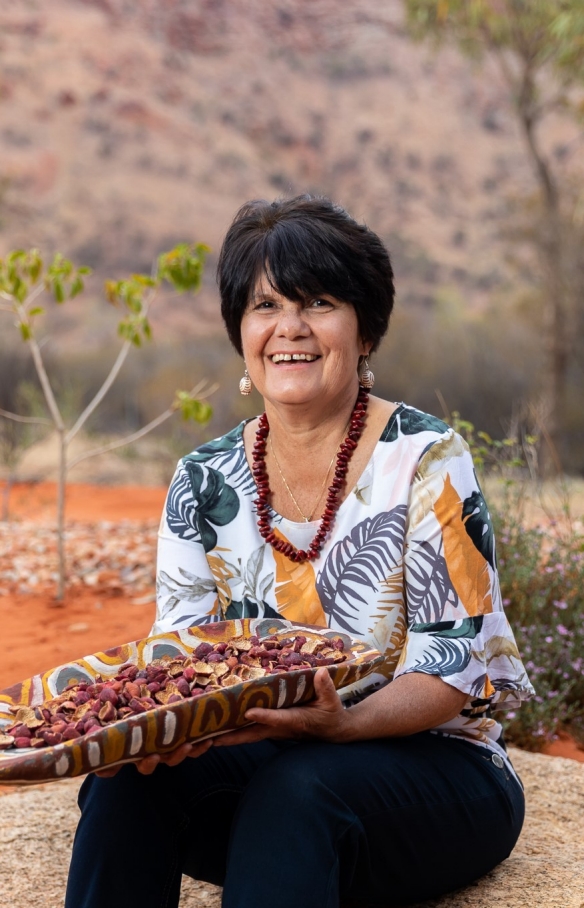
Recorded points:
(412, 703)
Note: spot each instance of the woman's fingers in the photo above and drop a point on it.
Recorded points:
(147, 765)
(186, 750)
(324, 687)
(108, 773)
(324, 717)
(197, 750)
(326, 700)
(321, 718)
(244, 736)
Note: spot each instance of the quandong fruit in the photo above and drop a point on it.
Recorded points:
(86, 707)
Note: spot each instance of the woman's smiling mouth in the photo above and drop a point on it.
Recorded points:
(293, 357)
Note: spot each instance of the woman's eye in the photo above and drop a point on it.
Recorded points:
(320, 304)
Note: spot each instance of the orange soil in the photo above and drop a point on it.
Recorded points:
(38, 501)
(38, 633)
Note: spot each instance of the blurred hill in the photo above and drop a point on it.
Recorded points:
(127, 127)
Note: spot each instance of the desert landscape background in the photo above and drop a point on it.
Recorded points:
(126, 128)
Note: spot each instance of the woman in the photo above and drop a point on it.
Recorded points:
(339, 509)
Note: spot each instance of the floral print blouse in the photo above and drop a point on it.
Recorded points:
(409, 565)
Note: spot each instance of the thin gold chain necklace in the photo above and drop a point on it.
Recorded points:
(289, 490)
(332, 504)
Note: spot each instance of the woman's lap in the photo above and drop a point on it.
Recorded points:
(388, 821)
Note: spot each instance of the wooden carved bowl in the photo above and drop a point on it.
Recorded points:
(164, 728)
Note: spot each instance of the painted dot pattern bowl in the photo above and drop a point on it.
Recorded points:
(164, 728)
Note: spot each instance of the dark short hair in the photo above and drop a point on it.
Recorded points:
(306, 246)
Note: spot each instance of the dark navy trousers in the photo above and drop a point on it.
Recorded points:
(309, 824)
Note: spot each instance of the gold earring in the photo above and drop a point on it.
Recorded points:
(245, 385)
(367, 378)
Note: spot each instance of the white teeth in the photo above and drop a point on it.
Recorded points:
(294, 357)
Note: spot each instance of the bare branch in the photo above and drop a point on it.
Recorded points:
(140, 433)
(111, 377)
(42, 373)
(32, 296)
(93, 404)
(39, 420)
(121, 442)
(523, 91)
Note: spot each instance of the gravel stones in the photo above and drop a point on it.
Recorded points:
(113, 557)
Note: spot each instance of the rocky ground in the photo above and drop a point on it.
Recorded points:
(546, 869)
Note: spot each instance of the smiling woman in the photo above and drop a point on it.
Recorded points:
(306, 248)
(296, 352)
(339, 509)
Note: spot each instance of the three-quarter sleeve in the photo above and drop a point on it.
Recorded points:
(457, 628)
(186, 593)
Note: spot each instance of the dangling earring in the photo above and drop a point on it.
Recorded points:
(245, 385)
(367, 378)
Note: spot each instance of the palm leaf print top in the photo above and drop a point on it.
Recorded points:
(409, 565)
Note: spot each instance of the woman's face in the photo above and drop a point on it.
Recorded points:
(301, 353)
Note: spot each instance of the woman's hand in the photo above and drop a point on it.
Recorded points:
(147, 765)
(324, 718)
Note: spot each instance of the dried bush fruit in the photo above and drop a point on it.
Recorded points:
(84, 708)
(107, 695)
(203, 649)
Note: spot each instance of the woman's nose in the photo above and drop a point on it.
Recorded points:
(292, 322)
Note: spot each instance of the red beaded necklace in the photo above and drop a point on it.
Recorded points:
(260, 475)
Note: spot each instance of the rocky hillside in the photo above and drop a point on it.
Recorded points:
(126, 127)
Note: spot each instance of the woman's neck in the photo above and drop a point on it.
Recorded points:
(306, 427)
(303, 446)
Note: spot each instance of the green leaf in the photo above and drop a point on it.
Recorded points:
(192, 409)
(58, 290)
(144, 280)
(76, 287)
(37, 310)
(183, 266)
(111, 292)
(19, 289)
(133, 328)
(25, 331)
(35, 268)
(204, 412)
